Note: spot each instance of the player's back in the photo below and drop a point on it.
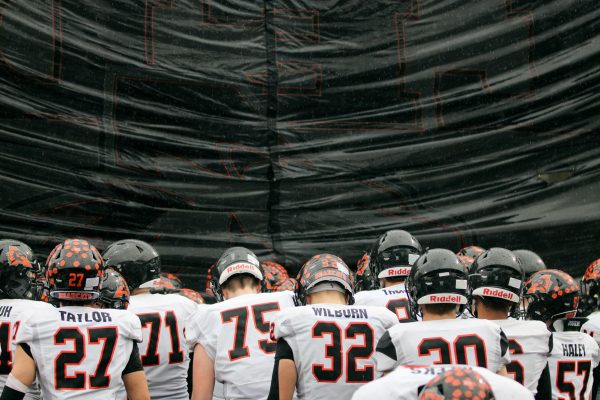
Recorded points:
(404, 383)
(572, 361)
(333, 346)
(163, 350)
(393, 298)
(592, 326)
(11, 312)
(448, 341)
(235, 335)
(530, 343)
(80, 352)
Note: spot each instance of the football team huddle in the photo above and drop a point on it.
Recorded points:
(410, 323)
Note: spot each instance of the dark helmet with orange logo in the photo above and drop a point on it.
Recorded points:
(394, 255)
(135, 260)
(551, 294)
(324, 272)
(170, 281)
(458, 383)
(17, 271)
(437, 277)
(590, 288)
(114, 291)
(365, 279)
(470, 251)
(288, 284)
(73, 271)
(275, 275)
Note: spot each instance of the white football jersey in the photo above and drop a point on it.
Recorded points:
(11, 311)
(572, 361)
(393, 298)
(80, 352)
(164, 351)
(404, 384)
(333, 346)
(235, 335)
(448, 341)
(592, 326)
(530, 343)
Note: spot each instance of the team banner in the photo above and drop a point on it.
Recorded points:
(298, 127)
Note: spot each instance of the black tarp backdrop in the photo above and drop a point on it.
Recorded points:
(297, 127)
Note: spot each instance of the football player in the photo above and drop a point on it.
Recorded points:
(164, 351)
(231, 338)
(17, 285)
(324, 349)
(495, 285)
(442, 382)
(531, 263)
(437, 289)
(390, 262)
(553, 296)
(78, 350)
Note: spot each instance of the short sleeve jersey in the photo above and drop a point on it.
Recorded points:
(164, 351)
(80, 352)
(11, 312)
(592, 326)
(405, 383)
(450, 341)
(572, 361)
(333, 346)
(235, 335)
(530, 343)
(393, 298)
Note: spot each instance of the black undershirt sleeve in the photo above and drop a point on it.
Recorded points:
(26, 349)
(595, 386)
(11, 394)
(544, 388)
(283, 352)
(386, 346)
(135, 363)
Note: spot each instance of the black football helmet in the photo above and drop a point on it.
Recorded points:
(234, 261)
(323, 268)
(365, 279)
(496, 273)
(530, 262)
(135, 260)
(394, 254)
(551, 294)
(74, 270)
(17, 271)
(590, 288)
(192, 295)
(114, 291)
(437, 277)
(458, 383)
(275, 275)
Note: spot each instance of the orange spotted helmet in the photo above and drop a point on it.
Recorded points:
(590, 288)
(288, 284)
(169, 280)
(275, 275)
(74, 270)
(327, 269)
(551, 294)
(458, 383)
(114, 291)
(17, 272)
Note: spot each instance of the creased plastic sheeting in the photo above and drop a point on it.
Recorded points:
(297, 127)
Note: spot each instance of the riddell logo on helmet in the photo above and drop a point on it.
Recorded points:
(449, 298)
(398, 271)
(239, 267)
(503, 294)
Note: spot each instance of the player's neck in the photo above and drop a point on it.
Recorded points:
(385, 283)
(327, 297)
(240, 291)
(140, 291)
(427, 316)
(487, 313)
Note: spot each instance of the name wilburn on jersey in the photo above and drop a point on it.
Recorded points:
(573, 350)
(343, 313)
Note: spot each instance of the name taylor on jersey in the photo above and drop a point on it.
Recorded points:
(94, 316)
